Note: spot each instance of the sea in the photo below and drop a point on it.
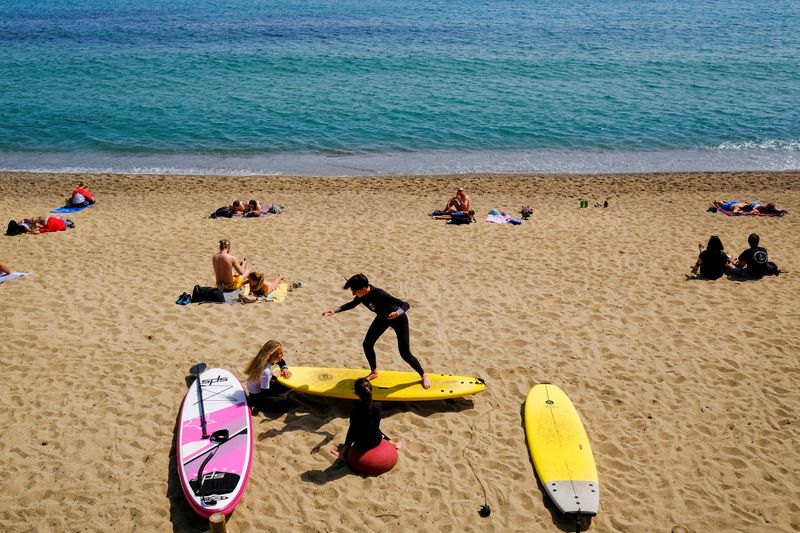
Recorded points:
(386, 87)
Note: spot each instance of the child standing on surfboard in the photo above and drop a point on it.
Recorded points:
(390, 312)
(261, 383)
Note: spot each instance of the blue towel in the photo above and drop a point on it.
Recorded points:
(70, 209)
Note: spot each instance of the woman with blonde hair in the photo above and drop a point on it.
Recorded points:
(259, 287)
(261, 380)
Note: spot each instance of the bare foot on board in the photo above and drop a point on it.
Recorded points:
(426, 381)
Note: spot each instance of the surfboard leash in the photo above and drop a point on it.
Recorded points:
(485, 510)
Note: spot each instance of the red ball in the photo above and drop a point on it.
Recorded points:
(375, 461)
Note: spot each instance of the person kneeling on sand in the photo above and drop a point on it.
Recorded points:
(80, 197)
(365, 432)
(262, 385)
(259, 287)
(229, 272)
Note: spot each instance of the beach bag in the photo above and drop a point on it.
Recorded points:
(223, 212)
(771, 269)
(207, 294)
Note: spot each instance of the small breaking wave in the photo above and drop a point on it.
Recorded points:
(778, 145)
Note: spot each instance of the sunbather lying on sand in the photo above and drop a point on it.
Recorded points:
(259, 287)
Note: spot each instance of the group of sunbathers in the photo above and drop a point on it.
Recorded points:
(736, 207)
(251, 209)
(232, 274)
(80, 197)
(753, 263)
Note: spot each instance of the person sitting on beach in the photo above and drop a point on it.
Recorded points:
(80, 197)
(262, 385)
(252, 209)
(229, 272)
(364, 432)
(752, 263)
(460, 202)
(713, 262)
(259, 287)
(457, 217)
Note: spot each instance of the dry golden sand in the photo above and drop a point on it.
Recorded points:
(688, 389)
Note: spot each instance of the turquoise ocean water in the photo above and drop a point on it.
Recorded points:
(346, 87)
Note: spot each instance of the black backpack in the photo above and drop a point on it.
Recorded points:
(223, 212)
(771, 269)
(207, 294)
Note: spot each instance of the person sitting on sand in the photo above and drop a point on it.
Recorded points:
(365, 432)
(390, 312)
(752, 263)
(460, 202)
(713, 262)
(262, 385)
(252, 209)
(229, 272)
(259, 287)
(80, 197)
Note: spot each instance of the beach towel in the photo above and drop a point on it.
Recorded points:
(278, 295)
(14, 275)
(70, 209)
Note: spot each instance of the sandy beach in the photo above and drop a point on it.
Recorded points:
(687, 388)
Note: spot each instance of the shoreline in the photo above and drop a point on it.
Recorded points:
(686, 388)
(739, 158)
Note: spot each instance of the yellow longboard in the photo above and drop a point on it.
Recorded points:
(389, 386)
(560, 450)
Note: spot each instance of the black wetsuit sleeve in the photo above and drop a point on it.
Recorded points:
(390, 302)
(282, 364)
(348, 305)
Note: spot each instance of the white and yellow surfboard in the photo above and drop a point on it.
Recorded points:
(560, 451)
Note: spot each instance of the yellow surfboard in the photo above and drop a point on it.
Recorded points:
(560, 451)
(389, 386)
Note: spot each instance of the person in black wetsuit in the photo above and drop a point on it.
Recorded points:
(390, 313)
(365, 432)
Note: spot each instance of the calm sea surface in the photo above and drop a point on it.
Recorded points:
(344, 87)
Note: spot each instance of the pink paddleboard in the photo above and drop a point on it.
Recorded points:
(225, 459)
